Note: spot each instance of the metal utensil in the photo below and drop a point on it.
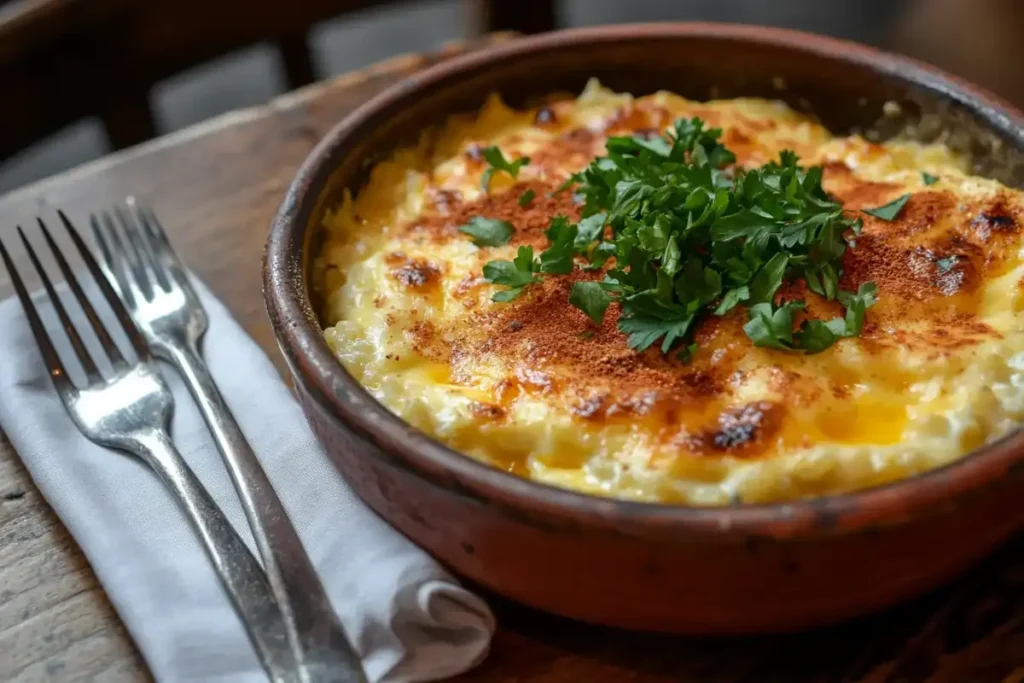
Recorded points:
(130, 411)
(156, 289)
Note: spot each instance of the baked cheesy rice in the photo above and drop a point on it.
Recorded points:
(534, 387)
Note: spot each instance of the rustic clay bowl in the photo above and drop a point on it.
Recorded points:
(710, 570)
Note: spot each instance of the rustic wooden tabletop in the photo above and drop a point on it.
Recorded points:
(216, 187)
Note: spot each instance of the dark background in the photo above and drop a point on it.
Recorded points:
(980, 39)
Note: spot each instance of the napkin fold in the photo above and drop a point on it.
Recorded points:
(408, 619)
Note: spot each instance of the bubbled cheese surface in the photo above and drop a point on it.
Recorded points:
(533, 387)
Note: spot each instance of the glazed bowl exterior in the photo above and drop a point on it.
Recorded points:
(740, 569)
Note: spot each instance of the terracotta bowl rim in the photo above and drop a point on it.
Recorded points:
(324, 377)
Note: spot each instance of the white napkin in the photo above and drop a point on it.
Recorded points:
(408, 618)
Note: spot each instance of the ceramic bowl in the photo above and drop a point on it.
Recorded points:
(735, 569)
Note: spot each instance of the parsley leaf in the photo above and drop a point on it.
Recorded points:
(814, 336)
(732, 299)
(589, 229)
(890, 210)
(525, 198)
(516, 274)
(856, 305)
(642, 331)
(768, 279)
(558, 258)
(687, 235)
(772, 327)
(928, 178)
(498, 162)
(488, 232)
(590, 298)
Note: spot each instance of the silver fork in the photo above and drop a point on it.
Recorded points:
(156, 289)
(130, 411)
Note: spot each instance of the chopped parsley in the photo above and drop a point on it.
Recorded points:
(498, 162)
(890, 210)
(516, 274)
(488, 232)
(692, 236)
(525, 198)
(928, 178)
(590, 298)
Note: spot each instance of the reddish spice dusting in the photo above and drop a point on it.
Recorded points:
(572, 150)
(530, 222)
(928, 264)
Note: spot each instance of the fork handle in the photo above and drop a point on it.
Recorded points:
(317, 636)
(241, 574)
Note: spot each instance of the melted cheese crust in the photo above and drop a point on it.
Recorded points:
(533, 387)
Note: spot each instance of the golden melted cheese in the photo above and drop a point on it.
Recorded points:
(533, 387)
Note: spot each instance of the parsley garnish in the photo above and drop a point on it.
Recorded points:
(517, 274)
(690, 235)
(590, 298)
(488, 232)
(890, 210)
(557, 258)
(498, 162)
(525, 198)
(928, 178)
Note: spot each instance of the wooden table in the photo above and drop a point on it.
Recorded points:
(216, 187)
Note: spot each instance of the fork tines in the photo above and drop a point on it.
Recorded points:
(52, 359)
(139, 261)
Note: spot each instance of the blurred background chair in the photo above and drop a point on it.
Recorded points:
(61, 60)
(133, 69)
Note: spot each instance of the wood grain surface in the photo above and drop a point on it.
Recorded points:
(216, 187)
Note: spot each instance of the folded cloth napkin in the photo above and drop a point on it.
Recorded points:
(408, 619)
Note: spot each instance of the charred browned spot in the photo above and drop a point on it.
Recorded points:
(395, 258)
(445, 201)
(590, 408)
(735, 136)
(487, 411)
(535, 379)
(379, 301)
(468, 283)
(507, 391)
(739, 430)
(515, 326)
(995, 219)
(700, 384)
(638, 116)
(417, 274)
(604, 406)
(639, 405)
(474, 152)
(544, 116)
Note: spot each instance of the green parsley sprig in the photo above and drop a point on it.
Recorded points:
(692, 235)
(498, 162)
